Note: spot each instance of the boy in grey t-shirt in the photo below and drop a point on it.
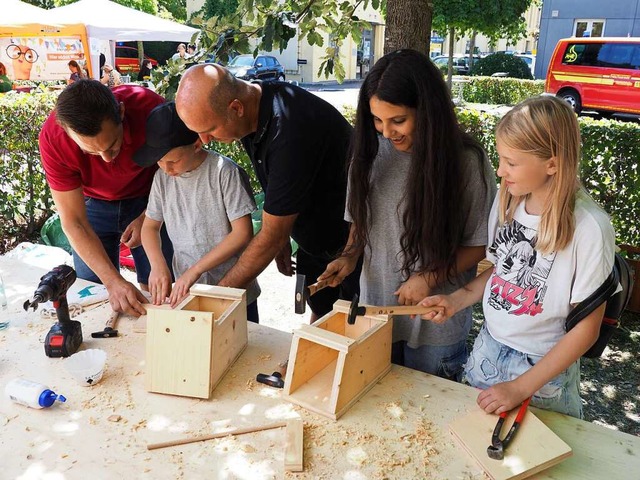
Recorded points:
(205, 201)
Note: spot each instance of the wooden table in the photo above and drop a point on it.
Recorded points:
(398, 430)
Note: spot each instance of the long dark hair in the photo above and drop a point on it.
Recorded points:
(433, 218)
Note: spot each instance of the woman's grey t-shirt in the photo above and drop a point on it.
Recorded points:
(381, 270)
(197, 208)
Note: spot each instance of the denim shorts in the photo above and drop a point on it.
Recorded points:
(446, 361)
(492, 362)
(109, 219)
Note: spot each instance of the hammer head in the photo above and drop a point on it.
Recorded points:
(355, 310)
(302, 293)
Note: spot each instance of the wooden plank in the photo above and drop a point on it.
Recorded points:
(294, 448)
(324, 337)
(229, 338)
(533, 449)
(217, 292)
(178, 352)
(364, 365)
(310, 358)
(316, 393)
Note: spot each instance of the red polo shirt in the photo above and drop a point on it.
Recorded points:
(67, 167)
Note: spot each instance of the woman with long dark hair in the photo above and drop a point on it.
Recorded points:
(420, 191)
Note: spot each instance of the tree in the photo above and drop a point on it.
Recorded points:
(218, 8)
(495, 19)
(408, 25)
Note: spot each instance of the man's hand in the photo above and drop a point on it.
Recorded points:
(284, 262)
(183, 284)
(124, 297)
(413, 290)
(159, 284)
(338, 270)
(131, 236)
(502, 397)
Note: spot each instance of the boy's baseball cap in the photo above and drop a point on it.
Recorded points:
(165, 131)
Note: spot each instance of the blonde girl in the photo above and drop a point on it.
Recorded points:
(522, 349)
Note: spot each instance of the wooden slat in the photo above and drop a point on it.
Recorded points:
(294, 432)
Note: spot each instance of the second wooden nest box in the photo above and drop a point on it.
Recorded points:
(191, 347)
(332, 364)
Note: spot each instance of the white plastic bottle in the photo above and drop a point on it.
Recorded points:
(31, 394)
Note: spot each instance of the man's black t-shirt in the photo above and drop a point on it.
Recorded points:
(299, 153)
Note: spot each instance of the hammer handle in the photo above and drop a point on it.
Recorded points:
(399, 310)
(112, 321)
(314, 287)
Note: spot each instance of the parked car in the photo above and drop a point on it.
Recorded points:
(263, 67)
(460, 62)
(529, 59)
(597, 73)
(127, 60)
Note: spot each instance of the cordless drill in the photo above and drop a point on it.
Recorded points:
(65, 336)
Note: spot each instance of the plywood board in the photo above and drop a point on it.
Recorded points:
(533, 449)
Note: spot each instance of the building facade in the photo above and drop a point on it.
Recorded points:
(583, 18)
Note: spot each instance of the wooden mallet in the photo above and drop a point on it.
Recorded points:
(355, 310)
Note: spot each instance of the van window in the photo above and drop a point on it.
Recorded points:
(613, 55)
(617, 55)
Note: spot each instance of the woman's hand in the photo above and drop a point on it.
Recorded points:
(338, 270)
(413, 290)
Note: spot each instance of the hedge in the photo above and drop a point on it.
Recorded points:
(609, 170)
(25, 199)
(500, 91)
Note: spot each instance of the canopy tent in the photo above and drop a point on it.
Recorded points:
(15, 12)
(110, 22)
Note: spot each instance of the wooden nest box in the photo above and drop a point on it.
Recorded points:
(332, 364)
(191, 347)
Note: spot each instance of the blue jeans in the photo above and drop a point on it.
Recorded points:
(445, 361)
(109, 219)
(492, 362)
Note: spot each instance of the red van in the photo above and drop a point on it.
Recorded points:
(601, 74)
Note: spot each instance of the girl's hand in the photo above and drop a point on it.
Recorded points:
(182, 286)
(413, 290)
(447, 308)
(502, 397)
(159, 284)
(338, 270)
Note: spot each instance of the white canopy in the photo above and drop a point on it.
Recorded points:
(108, 20)
(15, 12)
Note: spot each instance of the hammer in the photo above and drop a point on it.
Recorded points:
(109, 327)
(304, 292)
(355, 310)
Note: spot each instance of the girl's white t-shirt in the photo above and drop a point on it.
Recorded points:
(529, 295)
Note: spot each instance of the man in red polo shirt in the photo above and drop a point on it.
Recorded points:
(87, 146)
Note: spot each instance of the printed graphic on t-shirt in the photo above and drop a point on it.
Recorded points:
(519, 279)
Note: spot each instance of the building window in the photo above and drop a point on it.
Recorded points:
(588, 28)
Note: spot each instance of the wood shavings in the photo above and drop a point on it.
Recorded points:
(114, 418)
(250, 384)
(395, 410)
(247, 448)
(264, 357)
